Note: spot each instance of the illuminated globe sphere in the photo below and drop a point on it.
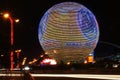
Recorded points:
(68, 32)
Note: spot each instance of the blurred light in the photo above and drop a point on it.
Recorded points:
(49, 62)
(55, 51)
(17, 20)
(41, 55)
(46, 60)
(115, 65)
(6, 15)
(53, 62)
(30, 62)
(85, 62)
(68, 63)
(90, 59)
(26, 68)
(90, 54)
(1, 55)
(19, 50)
(24, 60)
(34, 60)
(83, 76)
(46, 52)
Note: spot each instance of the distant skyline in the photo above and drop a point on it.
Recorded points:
(30, 14)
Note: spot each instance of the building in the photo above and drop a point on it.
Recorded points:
(68, 32)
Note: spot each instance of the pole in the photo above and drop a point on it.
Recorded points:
(6, 15)
(12, 42)
(18, 66)
(18, 56)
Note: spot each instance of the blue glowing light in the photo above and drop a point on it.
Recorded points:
(68, 31)
(87, 24)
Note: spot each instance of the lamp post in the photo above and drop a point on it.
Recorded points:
(18, 56)
(6, 15)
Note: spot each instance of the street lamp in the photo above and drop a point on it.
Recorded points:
(7, 16)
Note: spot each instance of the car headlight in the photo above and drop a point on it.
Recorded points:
(26, 68)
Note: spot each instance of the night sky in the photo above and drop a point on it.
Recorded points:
(31, 11)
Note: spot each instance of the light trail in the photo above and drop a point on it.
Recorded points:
(89, 76)
(11, 74)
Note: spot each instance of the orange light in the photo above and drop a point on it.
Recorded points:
(17, 20)
(6, 15)
(18, 50)
(68, 63)
(46, 52)
(85, 62)
(90, 58)
(54, 51)
(24, 60)
(41, 55)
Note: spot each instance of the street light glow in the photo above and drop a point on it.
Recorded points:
(12, 20)
(17, 20)
(19, 50)
(6, 15)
